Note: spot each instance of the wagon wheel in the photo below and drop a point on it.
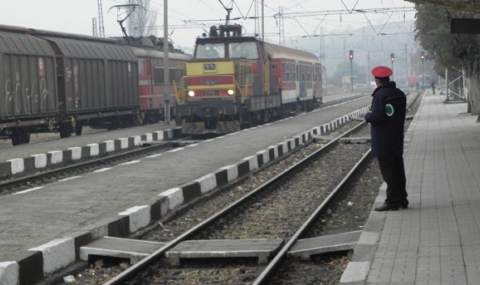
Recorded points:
(65, 130)
(78, 129)
(20, 136)
(15, 137)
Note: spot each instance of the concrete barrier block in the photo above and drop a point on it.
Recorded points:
(9, 273)
(56, 156)
(265, 156)
(139, 217)
(94, 149)
(17, 165)
(109, 146)
(291, 144)
(40, 160)
(136, 140)
(273, 152)
(207, 183)
(159, 135)
(57, 254)
(174, 196)
(168, 134)
(284, 146)
(149, 137)
(232, 172)
(252, 162)
(76, 152)
(123, 143)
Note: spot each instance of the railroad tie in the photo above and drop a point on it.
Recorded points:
(124, 248)
(304, 248)
(234, 248)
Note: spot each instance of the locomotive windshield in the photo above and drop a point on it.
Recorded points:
(246, 50)
(205, 51)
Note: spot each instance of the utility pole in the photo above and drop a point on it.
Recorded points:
(323, 57)
(406, 67)
(94, 27)
(166, 64)
(422, 57)
(101, 26)
(257, 14)
(263, 22)
(350, 56)
(392, 59)
(367, 68)
(281, 27)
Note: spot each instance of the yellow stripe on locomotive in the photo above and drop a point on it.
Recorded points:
(205, 68)
(215, 80)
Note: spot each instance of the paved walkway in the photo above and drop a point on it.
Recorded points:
(437, 240)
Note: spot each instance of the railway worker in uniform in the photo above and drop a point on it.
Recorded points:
(387, 118)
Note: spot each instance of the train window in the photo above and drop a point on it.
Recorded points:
(247, 50)
(205, 51)
(158, 76)
(173, 75)
(176, 75)
(140, 67)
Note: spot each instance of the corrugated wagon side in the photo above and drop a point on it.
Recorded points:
(97, 83)
(28, 93)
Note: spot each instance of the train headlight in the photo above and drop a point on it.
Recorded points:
(191, 93)
(231, 92)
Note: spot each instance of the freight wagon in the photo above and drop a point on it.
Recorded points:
(56, 82)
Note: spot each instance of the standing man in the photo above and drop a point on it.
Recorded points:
(387, 118)
(432, 84)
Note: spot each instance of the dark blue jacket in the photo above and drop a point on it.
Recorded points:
(387, 120)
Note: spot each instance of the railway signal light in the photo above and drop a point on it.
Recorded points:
(422, 55)
(350, 54)
(392, 57)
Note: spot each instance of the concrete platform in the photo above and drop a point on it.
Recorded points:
(437, 239)
(235, 248)
(24, 159)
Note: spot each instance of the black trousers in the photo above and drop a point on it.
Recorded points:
(393, 173)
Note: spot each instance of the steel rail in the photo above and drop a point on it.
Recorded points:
(79, 165)
(157, 255)
(276, 262)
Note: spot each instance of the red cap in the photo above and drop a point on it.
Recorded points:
(381, 72)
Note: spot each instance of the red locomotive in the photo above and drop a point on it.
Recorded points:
(151, 76)
(235, 81)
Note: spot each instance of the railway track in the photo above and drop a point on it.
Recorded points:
(170, 236)
(264, 213)
(32, 181)
(247, 270)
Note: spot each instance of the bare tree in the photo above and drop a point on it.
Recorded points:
(142, 21)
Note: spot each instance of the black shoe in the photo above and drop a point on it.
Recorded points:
(404, 204)
(386, 207)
